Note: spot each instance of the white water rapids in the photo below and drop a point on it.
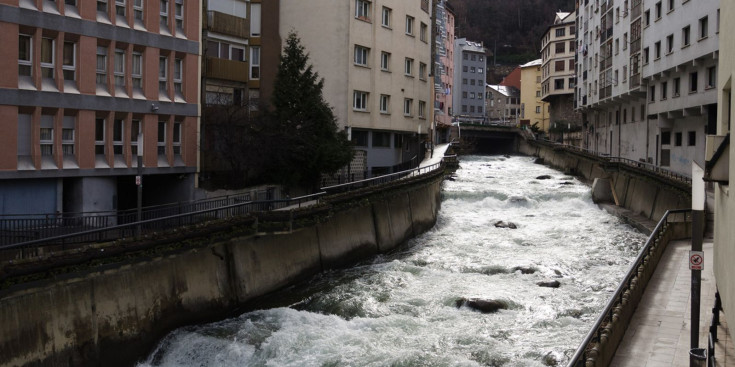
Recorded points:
(399, 309)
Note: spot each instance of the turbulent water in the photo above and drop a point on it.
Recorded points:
(400, 309)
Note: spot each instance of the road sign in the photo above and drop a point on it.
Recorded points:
(696, 260)
(138, 180)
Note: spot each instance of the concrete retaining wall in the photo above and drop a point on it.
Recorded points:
(643, 193)
(115, 314)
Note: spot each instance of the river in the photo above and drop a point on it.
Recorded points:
(400, 309)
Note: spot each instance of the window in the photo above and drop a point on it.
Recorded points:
(657, 50)
(464, 108)
(102, 6)
(163, 12)
(362, 9)
(558, 84)
(359, 101)
(625, 73)
(685, 36)
(67, 136)
(120, 8)
(254, 62)
(666, 138)
(464, 81)
(161, 143)
(647, 17)
(178, 75)
(163, 74)
(361, 55)
(645, 56)
(538, 109)
(25, 54)
(473, 57)
(119, 68)
(47, 135)
(693, 82)
(711, 77)
(658, 10)
(422, 32)
(408, 67)
(47, 57)
(479, 109)
(560, 47)
(559, 65)
(407, 106)
(464, 94)
(101, 65)
(384, 103)
(99, 136)
(671, 5)
(472, 69)
(137, 71)
(625, 41)
(617, 46)
(422, 71)
(692, 138)
(703, 28)
(176, 141)
(138, 9)
(669, 43)
(385, 61)
(538, 94)
(615, 77)
(472, 95)
(676, 83)
(480, 70)
(179, 14)
(135, 135)
(117, 137)
(560, 32)
(472, 81)
(664, 89)
(360, 138)
(652, 93)
(69, 61)
(465, 56)
(381, 140)
(386, 17)
(677, 139)
(409, 25)
(422, 109)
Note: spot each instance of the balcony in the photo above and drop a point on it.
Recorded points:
(227, 24)
(227, 69)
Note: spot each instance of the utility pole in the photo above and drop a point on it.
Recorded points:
(696, 255)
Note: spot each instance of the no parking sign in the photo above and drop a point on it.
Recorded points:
(696, 260)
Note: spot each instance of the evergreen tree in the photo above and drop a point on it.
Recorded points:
(308, 139)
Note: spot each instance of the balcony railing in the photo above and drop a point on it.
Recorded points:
(227, 69)
(227, 24)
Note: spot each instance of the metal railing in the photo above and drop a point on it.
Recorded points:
(350, 186)
(17, 228)
(594, 335)
(144, 227)
(625, 161)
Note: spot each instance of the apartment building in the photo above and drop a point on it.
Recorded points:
(72, 133)
(469, 80)
(534, 111)
(443, 69)
(648, 72)
(558, 79)
(374, 57)
(720, 168)
(503, 105)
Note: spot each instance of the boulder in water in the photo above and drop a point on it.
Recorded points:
(543, 177)
(567, 183)
(451, 178)
(482, 305)
(539, 161)
(524, 269)
(501, 224)
(549, 284)
(506, 156)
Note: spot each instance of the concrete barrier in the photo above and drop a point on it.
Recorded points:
(393, 226)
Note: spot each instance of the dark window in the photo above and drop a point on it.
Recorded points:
(677, 139)
(360, 138)
(381, 140)
(665, 137)
(692, 140)
(693, 82)
(560, 47)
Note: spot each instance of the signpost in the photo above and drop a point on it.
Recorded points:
(696, 257)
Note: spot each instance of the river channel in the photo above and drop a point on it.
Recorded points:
(400, 309)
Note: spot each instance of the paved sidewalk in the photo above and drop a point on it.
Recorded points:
(658, 334)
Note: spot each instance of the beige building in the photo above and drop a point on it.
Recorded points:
(533, 109)
(375, 58)
(558, 47)
(719, 168)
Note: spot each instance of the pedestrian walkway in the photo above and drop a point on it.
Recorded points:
(658, 334)
(439, 151)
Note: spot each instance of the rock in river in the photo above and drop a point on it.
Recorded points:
(549, 284)
(543, 177)
(482, 305)
(501, 224)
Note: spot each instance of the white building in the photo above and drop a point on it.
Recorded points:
(469, 80)
(374, 57)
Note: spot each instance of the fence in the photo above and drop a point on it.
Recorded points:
(636, 279)
(62, 229)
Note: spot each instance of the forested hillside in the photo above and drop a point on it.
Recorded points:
(514, 27)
